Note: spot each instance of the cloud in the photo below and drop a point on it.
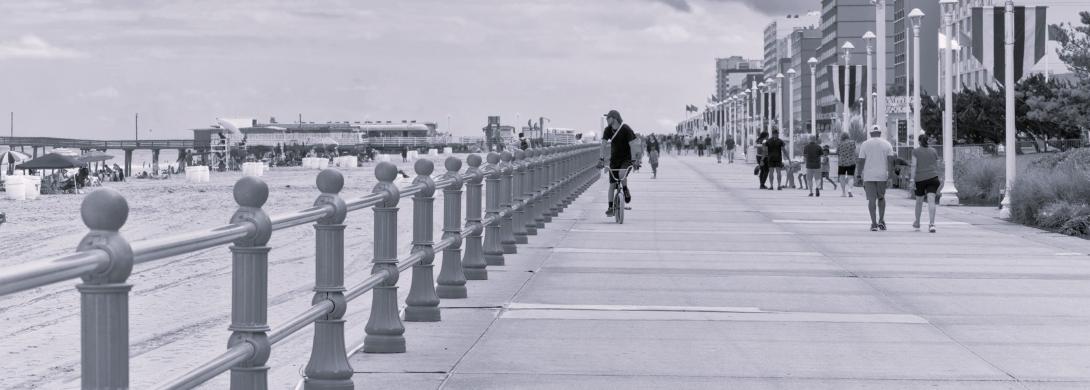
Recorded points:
(32, 46)
(670, 33)
(104, 93)
(767, 7)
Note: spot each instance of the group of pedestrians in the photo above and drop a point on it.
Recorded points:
(871, 165)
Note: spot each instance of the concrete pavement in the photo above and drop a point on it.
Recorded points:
(712, 284)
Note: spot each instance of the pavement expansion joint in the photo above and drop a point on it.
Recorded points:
(532, 311)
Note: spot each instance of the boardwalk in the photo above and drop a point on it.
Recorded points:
(713, 284)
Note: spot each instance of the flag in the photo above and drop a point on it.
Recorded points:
(989, 32)
(856, 75)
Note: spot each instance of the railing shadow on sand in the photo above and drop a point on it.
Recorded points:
(524, 190)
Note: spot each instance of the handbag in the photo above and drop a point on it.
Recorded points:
(756, 170)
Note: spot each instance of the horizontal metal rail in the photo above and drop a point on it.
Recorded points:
(545, 187)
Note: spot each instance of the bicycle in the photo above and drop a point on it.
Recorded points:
(618, 193)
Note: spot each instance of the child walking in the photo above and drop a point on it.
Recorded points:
(825, 169)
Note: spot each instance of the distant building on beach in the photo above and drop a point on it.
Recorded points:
(251, 132)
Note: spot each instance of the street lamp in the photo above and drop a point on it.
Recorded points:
(848, 46)
(916, 16)
(813, 100)
(779, 102)
(865, 110)
(879, 113)
(750, 93)
(761, 105)
(791, 111)
(949, 193)
(1008, 84)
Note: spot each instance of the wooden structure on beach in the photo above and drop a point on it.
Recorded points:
(128, 146)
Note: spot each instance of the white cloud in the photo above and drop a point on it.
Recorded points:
(32, 46)
(670, 33)
(104, 93)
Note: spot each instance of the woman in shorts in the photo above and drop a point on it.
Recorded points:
(925, 173)
(845, 170)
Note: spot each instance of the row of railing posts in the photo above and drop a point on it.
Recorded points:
(524, 190)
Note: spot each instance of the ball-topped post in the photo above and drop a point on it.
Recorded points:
(422, 305)
(518, 196)
(473, 264)
(105, 293)
(451, 282)
(329, 366)
(250, 283)
(493, 235)
(385, 332)
(507, 181)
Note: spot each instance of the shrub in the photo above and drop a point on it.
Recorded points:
(1054, 159)
(979, 180)
(1055, 198)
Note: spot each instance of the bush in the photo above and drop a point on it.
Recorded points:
(1053, 160)
(979, 180)
(1054, 195)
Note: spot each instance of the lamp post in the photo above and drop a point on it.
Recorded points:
(848, 46)
(949, 194)
(761, 107)
(791, 112)
(916, 16)
(865, 109)
(879, 113)
(748, 119)
(813, 100)
(779, 102)
(1008, 84)
(770, 89)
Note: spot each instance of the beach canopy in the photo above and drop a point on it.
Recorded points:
(13, 157)
(65, 152)
(52, 161)
(95, 156)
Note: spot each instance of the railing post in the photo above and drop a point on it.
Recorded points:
(250, 285)
(541, 185)
(554, 181)
(385, 332)
(528, 187)
(422, 305)
(452, 280)
(104, 295)
(507, 231)
(493, 250)
(328, 367)
(475, 267)
(570, 176)
(518, 196)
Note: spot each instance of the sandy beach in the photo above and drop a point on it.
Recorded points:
(180, 306)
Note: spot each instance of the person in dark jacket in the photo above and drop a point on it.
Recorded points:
(813, 153)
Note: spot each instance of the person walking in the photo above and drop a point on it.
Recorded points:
(846, 155)
(825, 168)
(762, 160)
(730, 150)
(813, 153)
(925, 174)
(875, 170)
(776, 152)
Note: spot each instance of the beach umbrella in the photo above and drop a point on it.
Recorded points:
(95, 156)
(52, 161)
(13, 157)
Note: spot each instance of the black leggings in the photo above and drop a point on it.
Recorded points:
(764, 174)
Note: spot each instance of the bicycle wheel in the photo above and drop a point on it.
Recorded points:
(618, 203)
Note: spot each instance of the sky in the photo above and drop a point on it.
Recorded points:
(84, 68)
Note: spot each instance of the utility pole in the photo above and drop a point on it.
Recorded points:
(136, 127)
(12, 124)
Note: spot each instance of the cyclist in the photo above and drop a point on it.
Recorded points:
(616, 137)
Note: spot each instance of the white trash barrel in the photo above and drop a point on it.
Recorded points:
(448, 150)
(33, 187)
(15, 187)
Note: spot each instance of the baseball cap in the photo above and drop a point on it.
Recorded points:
(615, 115)
(875, 129)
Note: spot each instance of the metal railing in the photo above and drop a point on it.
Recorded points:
(524, 191)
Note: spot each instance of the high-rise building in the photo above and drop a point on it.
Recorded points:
(929, 43)
(775, 48)
(803, 45)
(731, 72)
(846, 21)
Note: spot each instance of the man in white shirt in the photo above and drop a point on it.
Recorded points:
(875, 169)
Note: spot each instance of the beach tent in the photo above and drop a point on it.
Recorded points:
(95, 156)
(65, 152)
(52, 161)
